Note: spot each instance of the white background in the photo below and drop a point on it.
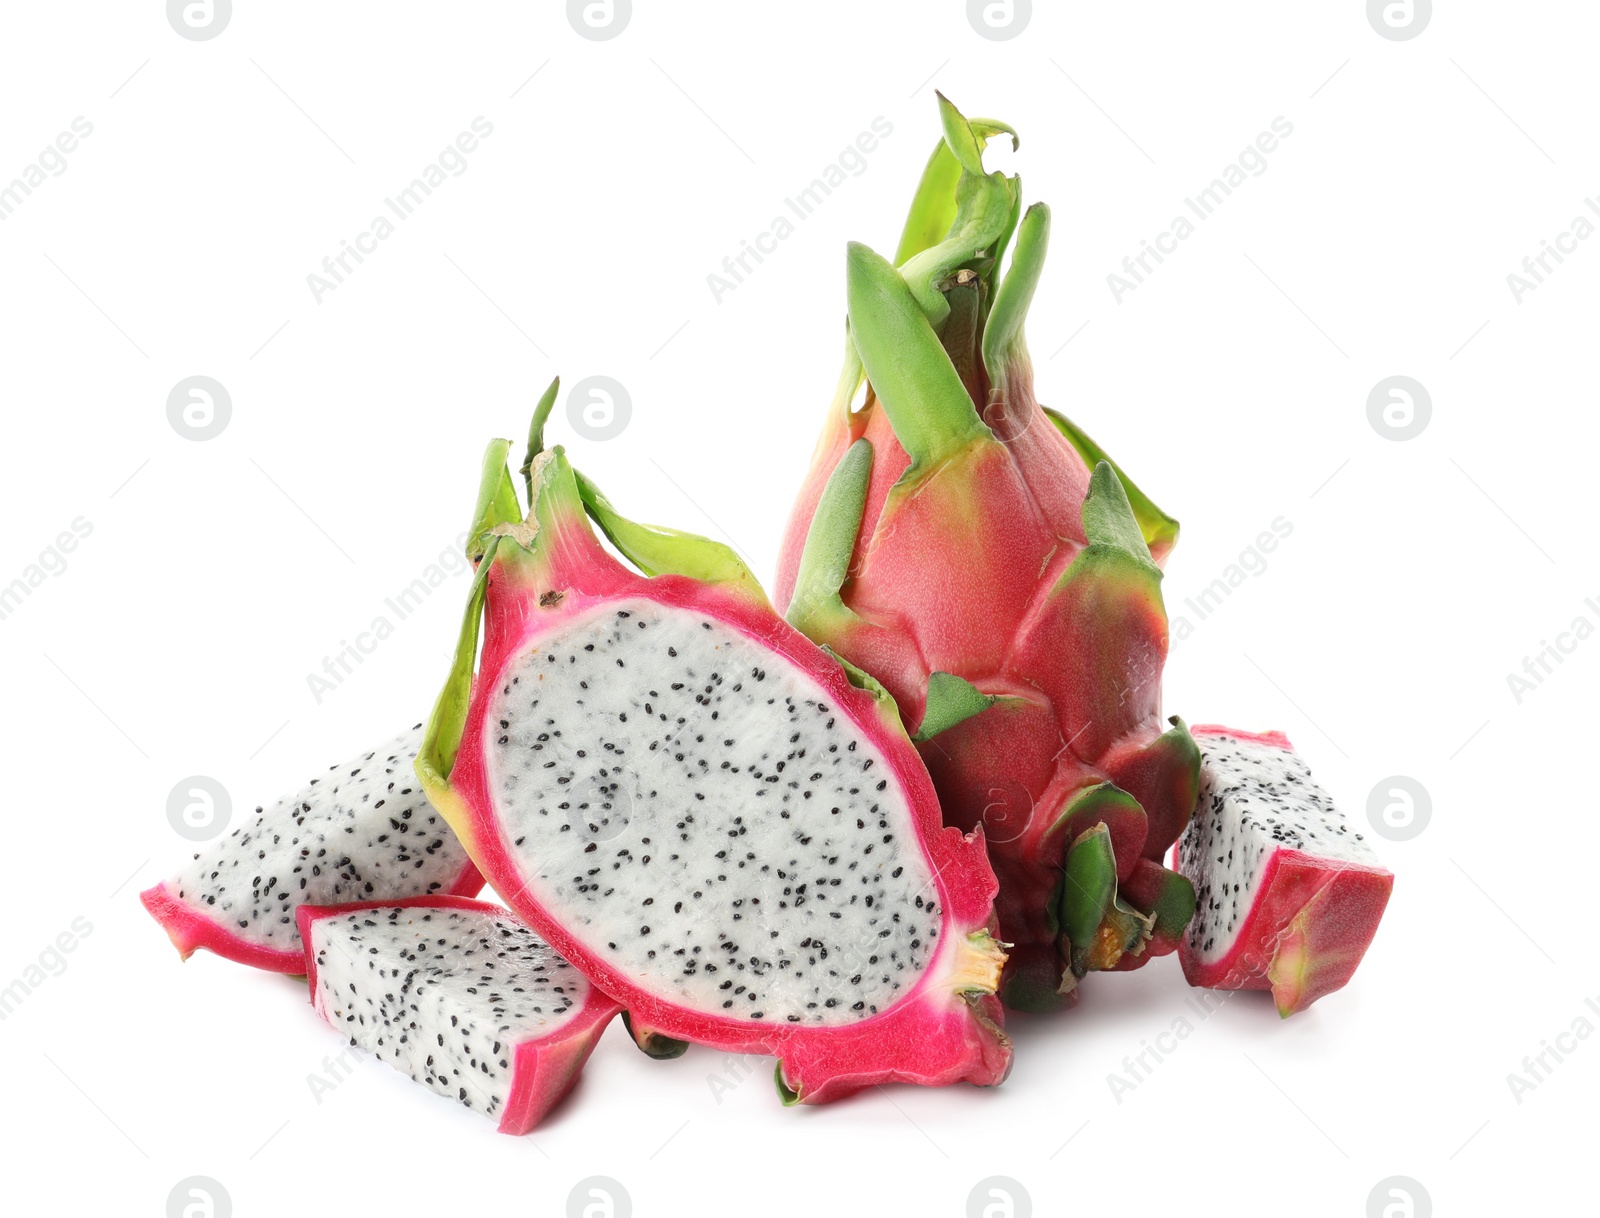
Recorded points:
(1232, 385)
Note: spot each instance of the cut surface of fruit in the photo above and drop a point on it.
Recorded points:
(737, 789)
(1288, 895)
(364, 831)
(460, 996)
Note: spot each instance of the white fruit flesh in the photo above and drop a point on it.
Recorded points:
(362, 832)
(705, 821)
(1255, 799)
(444, 995)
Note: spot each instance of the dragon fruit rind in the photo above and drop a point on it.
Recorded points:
(1289, 895)
(985, 561)
(699, 809)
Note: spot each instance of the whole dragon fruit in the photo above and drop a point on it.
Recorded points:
(982, 558)
(701, 811)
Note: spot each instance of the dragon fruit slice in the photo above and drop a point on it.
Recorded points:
(364, 831)
(459, 995)
(1289, 894)
(698, 808)
(1001, 576)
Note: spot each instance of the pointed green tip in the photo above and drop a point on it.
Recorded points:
(860, 267)
(1179, 738)
(1089, 886)
(1005, 345)
(967, 136)
(958, 134)
(1098, 924)
(1108, 518)
(951, 700)
(789, 1096)
(654, 1044)
(1039, 215)
(441, 738)
(497, 501)
(831, 540)
(541, 415)
(918, 387)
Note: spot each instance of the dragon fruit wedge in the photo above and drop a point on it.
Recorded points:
(364, 831)
(700, 810)
(459, 995)
(1289, 896)
(999, 575)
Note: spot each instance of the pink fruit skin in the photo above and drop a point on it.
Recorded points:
(190, 930)
(545, 1068)
(1311, 924)
(961, 577)
(928, 1037)
(1276, 739)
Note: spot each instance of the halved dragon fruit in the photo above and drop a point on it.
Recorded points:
(1288, 895)
(697, 807)
(365, 831)
(459, 995)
